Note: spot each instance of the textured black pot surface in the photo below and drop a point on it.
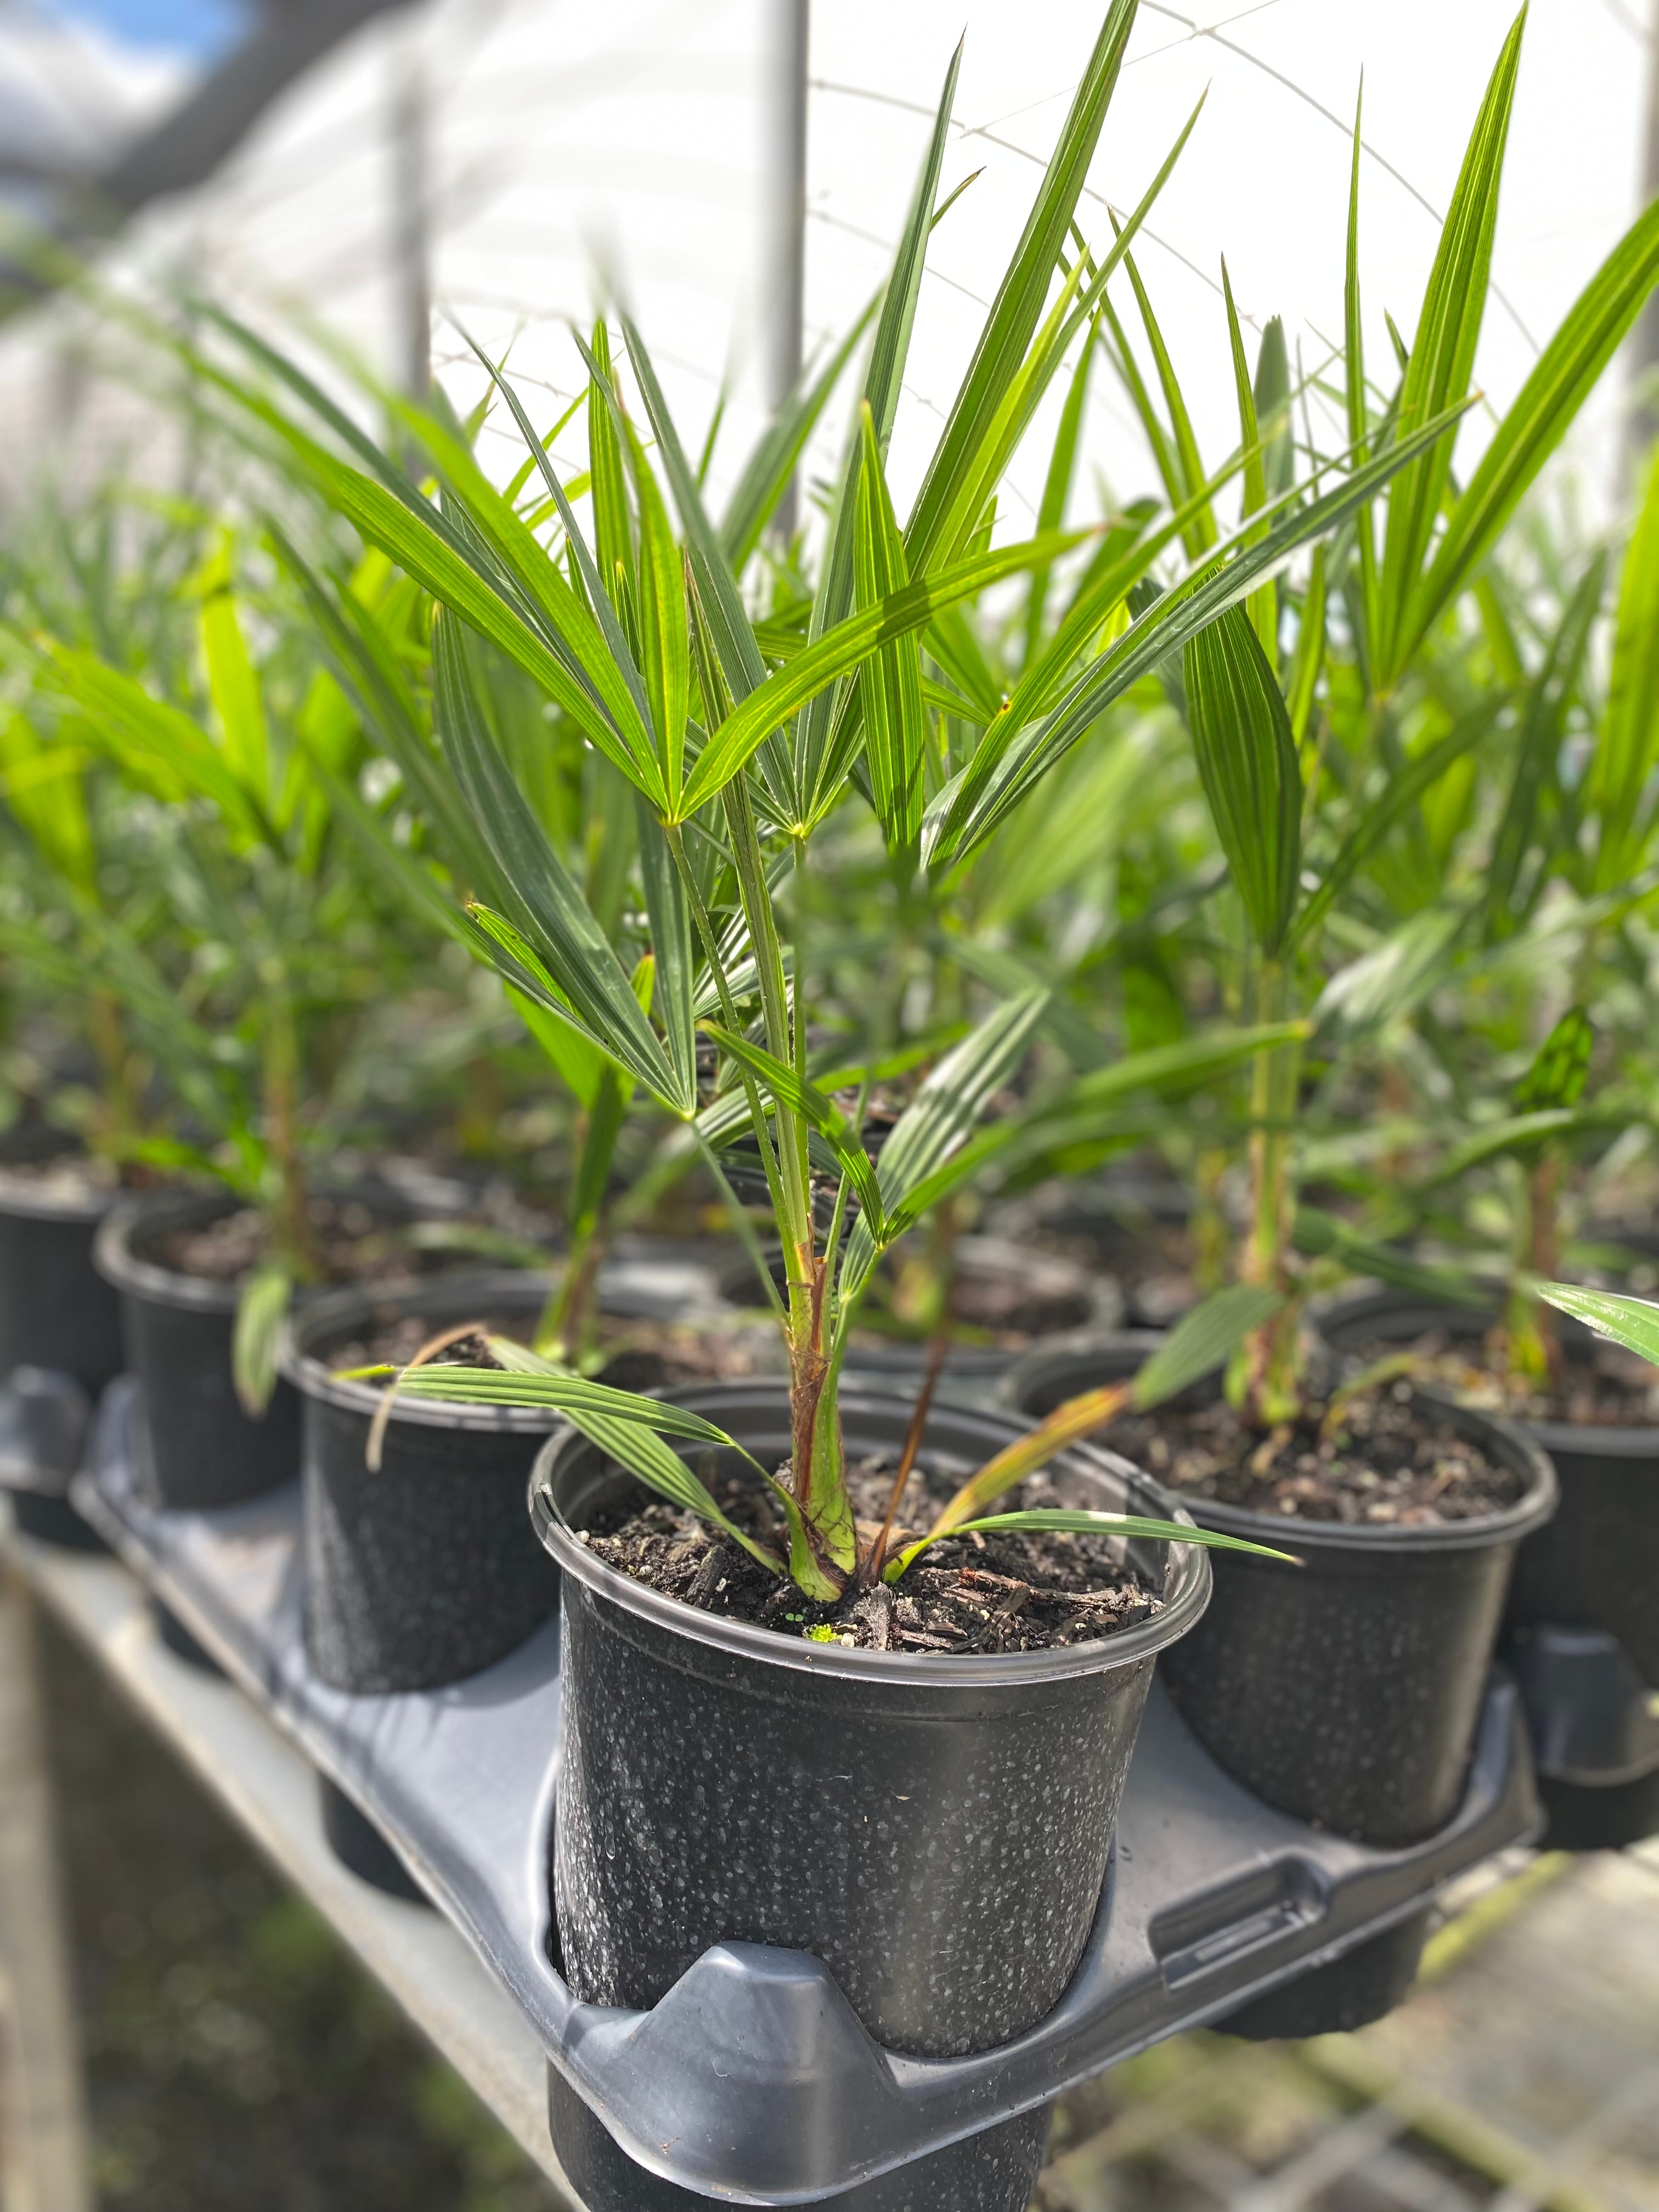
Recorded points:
(934, 1830)
(991, 2172)
(1604, 1816)
(44, 1422)
(361, 1849)
(1597, 1563)
(203, 1450)
(1342, 1995)
(56, 1309)
(50, 1519)
(426, 1569)
(1346, 1690)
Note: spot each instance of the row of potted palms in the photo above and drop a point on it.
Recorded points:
(862, 904)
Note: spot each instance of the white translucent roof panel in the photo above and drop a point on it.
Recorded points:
(567, 142)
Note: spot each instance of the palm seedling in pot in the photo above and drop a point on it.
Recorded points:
(1549, 918)
(422, 1565)
(61, 1172)
(80, 863)
(249, 1011)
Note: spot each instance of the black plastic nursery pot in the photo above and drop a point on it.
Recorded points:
(426, 1569)
(934, 1830)
(1595, 1567)
(56, 1309)
(203, 1450)
(45, 1417)
(1346, 1690)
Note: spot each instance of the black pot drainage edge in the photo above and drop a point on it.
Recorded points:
(203, 1450)
(44, 1421)
(49, 1518)
(361, 1849)
(982, 2173)
(1347, 1993)
(1346, 1691)
(181, 1641)
(1596, 1566)
(934, 1830)
(56, 1310)
(428, 1570)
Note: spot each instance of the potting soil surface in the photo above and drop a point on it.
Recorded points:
(998, 1591)
(357, 1245)
(1385, 1461)
(1605, 1387)
(634, 1355)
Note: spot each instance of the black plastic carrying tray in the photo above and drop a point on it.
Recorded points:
(752, 2081)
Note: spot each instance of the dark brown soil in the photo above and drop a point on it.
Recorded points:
(970, 1594)
(1387, 1460)
(396, 1342)
(1602, 1385)
(359, 1245)
(636, 1355)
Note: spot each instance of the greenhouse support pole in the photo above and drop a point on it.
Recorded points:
(786, 272)
(43, 2137)
(411, 220)
(1642, 421)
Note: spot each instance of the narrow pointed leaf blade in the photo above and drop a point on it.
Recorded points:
(1011, 760)
(1632, 1322)
(1627, 743)
(1203, 1340)
(1442, 358)
(550, 909)
(941, 1116)
(1248, 763)
(890, 685)
(847, 647)
(1539, 419)
(262, 1307)
(1018, 305)
(820, 1113)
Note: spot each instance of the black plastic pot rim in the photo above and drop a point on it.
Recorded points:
(1186, 1594)
(133, 1218)
(26, 1201)
(1591, 1438)
(331, 1314)
(1056, 1353)
(116, 1261)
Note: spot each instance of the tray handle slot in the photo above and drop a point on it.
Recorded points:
(1204, 1933)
